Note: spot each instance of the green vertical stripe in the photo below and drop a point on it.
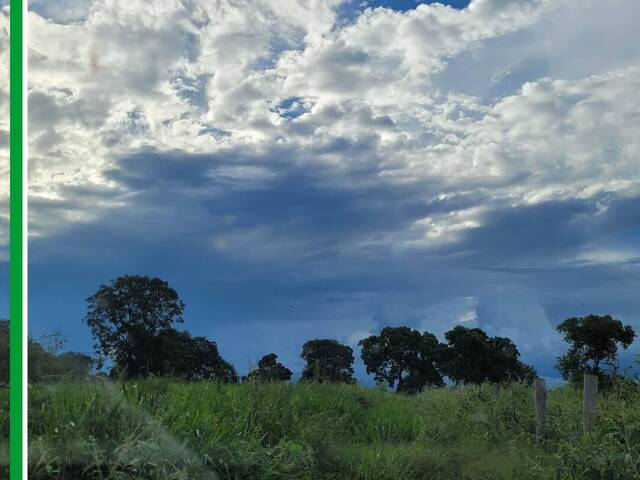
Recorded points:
(15, 239)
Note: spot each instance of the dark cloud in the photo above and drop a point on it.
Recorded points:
(243, 235)
(351, 181)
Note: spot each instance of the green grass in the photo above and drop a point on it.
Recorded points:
(163, 429)
(4, 432)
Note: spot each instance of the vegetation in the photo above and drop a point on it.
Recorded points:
(471, 356)
(404, 356)
(173, 408)
(4, 352)
(170, 429)
(593, 342)
(178, 354)
(327, 361)
(46, 363)
(126, 316)
(269, 369)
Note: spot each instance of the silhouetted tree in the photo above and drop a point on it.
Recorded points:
(47, 364)
(178, 354)
(4, 352)
(471, 356)
(403, 356)
(125, 317)
(327, 361)
(593, 342)
(270, 370)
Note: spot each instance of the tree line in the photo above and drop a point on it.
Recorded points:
(133, 322)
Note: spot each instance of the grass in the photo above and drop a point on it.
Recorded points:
(164, 429)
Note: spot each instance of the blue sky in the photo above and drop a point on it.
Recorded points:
(404, 5)
(322, 171)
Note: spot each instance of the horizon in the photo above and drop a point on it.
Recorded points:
(334, 167)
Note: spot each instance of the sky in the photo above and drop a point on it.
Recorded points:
(4, 161)
(302, 169)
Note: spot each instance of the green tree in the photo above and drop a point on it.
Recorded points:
(125, 317)
(4, 352)
(404, 357)
(269, 369)
(327, 360)
(44, 363)
(74, 364)
(47, 364)
(472, 356)
(178, 354)
(593, 344)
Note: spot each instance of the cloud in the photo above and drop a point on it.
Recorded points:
(4, 137)
(424, 167)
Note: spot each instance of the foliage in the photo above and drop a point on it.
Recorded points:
(471, 356)
(270, 370)
(166, 429)
(74, 364)
(403, 356)
(45, 363)
(4, 352)
(126, 315)
(327, 361)
(593, 342)
(178, 354)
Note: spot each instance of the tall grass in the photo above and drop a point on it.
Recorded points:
(4, 432)
(164, 429)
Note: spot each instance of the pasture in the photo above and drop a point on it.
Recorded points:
(168, 429)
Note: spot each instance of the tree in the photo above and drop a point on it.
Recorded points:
(327, 361)
(126, 315)
(178, 354)
(402, 356)
(74, 364)
(4, 352)
(471, 356)
(505, 364)
(47, 364)
(593, 342)
(44, 361)
(270, 370)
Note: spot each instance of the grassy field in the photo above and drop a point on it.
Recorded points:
(161, 429)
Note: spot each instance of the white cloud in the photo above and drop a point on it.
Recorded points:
(462, 114)
(4, 132)
(440, 317)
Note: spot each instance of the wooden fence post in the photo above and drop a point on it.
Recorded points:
(540, 401)
(590, 402)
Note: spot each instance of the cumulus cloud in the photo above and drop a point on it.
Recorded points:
(409, 164)
(4, 134)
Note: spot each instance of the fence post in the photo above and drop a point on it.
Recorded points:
(590, 402)
(540, 405)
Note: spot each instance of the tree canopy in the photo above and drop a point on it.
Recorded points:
(472, 356)
(45, 362)
(125, 317)
(327, 360)
(404, 357)
(178, 354)
(593, 344)
(269, 369)
(4, 351)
